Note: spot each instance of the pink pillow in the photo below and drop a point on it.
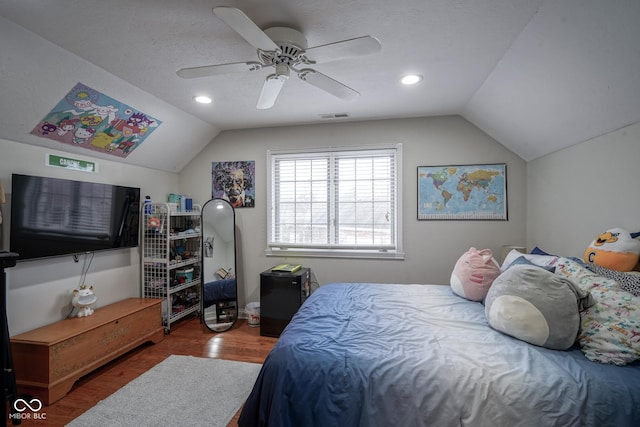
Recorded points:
(474, 273)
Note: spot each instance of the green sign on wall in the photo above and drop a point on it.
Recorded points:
(69, 163)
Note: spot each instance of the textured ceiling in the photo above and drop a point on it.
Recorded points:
(536, 75)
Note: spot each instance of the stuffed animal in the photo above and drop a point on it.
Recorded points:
(536, 306)
(83, 298)
(615, 249)
(474, 273)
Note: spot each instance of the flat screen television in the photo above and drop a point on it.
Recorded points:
(53, 216)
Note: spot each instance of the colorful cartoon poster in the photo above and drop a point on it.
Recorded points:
(90, 119)
(234, 182)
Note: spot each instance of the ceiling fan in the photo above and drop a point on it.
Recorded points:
(284, 49)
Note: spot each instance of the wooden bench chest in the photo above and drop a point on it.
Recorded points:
(49, 360)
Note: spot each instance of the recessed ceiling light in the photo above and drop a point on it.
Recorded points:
(411, 79)
(202, 99)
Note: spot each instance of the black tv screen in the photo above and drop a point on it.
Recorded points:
(53, 216)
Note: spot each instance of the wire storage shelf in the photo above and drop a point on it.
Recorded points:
(171, 250)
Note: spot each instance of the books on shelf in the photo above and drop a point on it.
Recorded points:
(286, 268)
(224, 273)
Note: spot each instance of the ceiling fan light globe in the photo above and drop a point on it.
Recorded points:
(282, 72)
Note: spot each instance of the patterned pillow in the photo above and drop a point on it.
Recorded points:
(611, 327)
(630, 281)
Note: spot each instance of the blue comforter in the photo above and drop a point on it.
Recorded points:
(419, 355)
(219, 291)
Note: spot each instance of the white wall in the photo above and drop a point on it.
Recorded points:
(431, 247)
(581, 191)
(39, 291)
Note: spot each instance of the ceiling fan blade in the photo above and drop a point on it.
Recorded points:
(270, 91)
(216, 70)
(236, 19)
(359, 46)
(328, 84)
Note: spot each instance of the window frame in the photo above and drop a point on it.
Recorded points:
(302, 250)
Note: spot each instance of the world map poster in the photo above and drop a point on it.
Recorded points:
(464, 192)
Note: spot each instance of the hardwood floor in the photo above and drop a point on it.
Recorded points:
(188, 337)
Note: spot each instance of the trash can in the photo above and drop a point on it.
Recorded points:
(253, 314)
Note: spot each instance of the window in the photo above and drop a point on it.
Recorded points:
(341, 202)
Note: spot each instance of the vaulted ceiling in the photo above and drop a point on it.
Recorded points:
(535, 75)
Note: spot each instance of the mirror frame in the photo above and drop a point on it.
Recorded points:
(211, 203)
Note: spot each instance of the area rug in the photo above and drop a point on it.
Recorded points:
(181, 390)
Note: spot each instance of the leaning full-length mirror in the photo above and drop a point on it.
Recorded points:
(219, 287)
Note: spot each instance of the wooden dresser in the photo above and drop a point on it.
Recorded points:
(50, 359)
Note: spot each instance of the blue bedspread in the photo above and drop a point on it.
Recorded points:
(419, 355)
(219, 291)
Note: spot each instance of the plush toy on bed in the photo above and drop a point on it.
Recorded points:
(615, 249)
(536, 306)
(474, 273)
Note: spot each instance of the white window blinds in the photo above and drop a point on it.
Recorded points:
(338, 200)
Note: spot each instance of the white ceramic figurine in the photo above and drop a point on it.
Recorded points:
(83, 298)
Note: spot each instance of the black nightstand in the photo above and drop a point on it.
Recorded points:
(281, 295)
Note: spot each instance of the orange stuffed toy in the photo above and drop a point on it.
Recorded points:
(615, 249)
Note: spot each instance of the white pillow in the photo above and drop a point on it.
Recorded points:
(544, 261)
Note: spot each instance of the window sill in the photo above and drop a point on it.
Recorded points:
(323, 253)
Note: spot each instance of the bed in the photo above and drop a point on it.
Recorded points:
(222, 290)
(364, 354)
(218, 296)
